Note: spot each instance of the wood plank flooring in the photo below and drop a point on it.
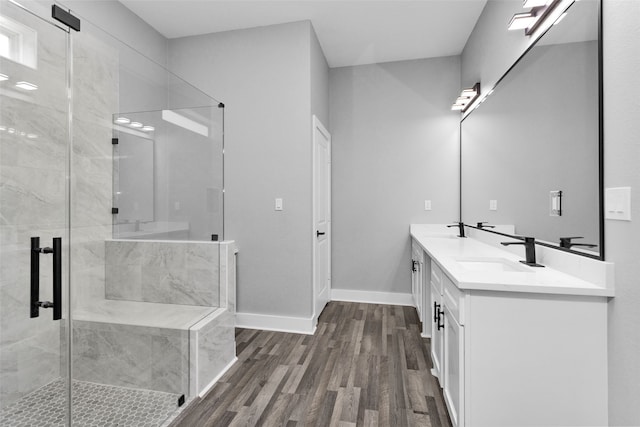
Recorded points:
(366, 365)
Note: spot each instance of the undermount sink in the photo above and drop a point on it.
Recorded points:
(491, 265)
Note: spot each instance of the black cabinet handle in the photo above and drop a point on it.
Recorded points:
(436, 310)
(319, 233)
(413, 265)
(36, 304)
(440, 317)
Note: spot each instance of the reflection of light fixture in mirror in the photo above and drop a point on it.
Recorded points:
(184, 122)
(148, 128)
(466, 98)
(530, 21)
(3, 77)
(136, 125)
(122, 120)
(26, 86)
(521, 21)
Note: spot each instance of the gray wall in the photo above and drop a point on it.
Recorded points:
(263, 75)
(621, 67)
(622, 150)
(113, 17)
(395, 144)
(319, 82)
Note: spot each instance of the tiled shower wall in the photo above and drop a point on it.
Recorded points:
(163, 271)
(35, 201)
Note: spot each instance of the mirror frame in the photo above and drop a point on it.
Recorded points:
(601, 255)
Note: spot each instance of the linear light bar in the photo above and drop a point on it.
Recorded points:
(27, 86)
(184, 122)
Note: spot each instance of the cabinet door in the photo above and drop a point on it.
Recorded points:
(437, 335)
(454, 368)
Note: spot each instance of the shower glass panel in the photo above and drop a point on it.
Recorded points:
(146, 197)
(168, 174)
(34, 208)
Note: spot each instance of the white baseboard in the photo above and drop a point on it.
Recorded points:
(215, 380)
(296, 325)
(372, 297)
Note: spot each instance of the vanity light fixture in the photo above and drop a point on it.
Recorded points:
(466, 98)
(122, 121)
(136, 125)
(531, 20)
(3, 77)
(26, 86)
(148, 128)
(522, 21)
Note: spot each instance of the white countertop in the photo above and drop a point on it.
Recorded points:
(442, 245)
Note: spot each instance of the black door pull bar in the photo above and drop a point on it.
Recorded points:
(36, 304)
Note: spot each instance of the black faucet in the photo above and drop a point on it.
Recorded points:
(460, 226)
(529, 249)
(482, 225)
(565, 242)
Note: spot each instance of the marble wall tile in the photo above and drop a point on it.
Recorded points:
(125, 282)
(165, 272)
(213, 340)
(131, 356)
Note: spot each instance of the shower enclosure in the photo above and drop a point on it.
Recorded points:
(116, 285)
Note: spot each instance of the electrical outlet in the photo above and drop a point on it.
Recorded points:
(427, 205)
(278, 204)
(493, 205)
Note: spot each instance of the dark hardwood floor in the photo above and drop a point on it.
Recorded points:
(366, 365)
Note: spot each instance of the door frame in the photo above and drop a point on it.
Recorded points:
(317, 125)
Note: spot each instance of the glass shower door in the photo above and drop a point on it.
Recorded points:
(34, 219)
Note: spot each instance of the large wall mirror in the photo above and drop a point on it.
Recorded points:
(531, 151)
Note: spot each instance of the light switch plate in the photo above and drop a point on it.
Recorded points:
(493, 205)
(427, 205)
(617, 203)
(278, 204)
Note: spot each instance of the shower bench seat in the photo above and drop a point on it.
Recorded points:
(173, 348)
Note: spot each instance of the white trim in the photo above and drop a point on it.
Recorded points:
(317, 124)
(266, 322)
(372, 297)
(215, 380)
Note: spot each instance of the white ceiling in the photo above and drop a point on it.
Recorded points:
(351, 32)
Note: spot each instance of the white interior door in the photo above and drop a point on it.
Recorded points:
(321, 217)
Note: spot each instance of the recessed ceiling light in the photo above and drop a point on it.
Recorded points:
(11, 130)
(3, 128)
(148, 128)
(32, 136)
(3, 77)
(136, 125)
(521, 21)
(122, 120)
(26, 86)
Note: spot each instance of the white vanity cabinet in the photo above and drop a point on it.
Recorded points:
(437, 319)
(417, 267)
(514, 358)
(420, 271)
